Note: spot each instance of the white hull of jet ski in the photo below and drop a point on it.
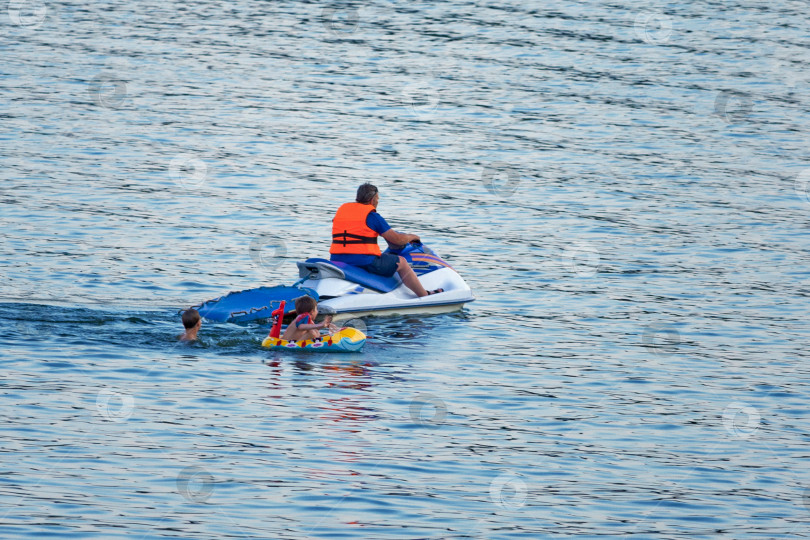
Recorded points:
(347, 292)
(347, 300)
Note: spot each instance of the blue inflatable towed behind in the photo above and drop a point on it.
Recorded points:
(252, 304)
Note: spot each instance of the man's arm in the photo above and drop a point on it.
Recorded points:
(398, 239)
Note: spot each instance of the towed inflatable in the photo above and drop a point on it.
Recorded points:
(252, 304)
(345, 340)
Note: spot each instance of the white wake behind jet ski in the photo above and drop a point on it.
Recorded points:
(347, 291)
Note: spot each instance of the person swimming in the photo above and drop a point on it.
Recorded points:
(192, 323)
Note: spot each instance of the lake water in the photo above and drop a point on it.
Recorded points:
(625, 189)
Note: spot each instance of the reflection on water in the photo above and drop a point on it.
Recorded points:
(624, 188)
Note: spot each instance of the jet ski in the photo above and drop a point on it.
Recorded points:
(346, 291)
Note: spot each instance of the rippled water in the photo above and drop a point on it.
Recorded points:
(626, 190)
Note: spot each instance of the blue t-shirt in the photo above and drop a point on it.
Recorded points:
(376, 223)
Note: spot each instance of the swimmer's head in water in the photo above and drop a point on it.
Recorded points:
(190, 318)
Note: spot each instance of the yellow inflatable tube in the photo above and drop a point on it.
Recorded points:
(345, 340)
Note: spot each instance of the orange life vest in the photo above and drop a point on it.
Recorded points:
(350, 234)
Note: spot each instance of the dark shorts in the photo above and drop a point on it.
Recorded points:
(385, 265)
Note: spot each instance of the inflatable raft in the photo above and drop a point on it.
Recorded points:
(344, 340)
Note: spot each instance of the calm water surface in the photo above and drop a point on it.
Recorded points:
(625, 188)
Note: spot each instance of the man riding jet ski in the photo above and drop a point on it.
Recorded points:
(355, 228)
(358, 279)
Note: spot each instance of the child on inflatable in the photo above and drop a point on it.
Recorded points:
(304, 327)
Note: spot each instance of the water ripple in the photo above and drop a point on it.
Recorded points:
(625, 188)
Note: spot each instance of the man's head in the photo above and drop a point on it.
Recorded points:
(191, 317)
(366, 193)
(305, 304)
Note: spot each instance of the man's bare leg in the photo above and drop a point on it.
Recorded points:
(409, 278)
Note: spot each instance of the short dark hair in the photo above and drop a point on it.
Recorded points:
(304, 304)
(190, 318)
(365, 193)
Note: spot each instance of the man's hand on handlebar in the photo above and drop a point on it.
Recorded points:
(399, 240)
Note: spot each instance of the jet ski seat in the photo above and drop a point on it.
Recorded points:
(322, 268)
